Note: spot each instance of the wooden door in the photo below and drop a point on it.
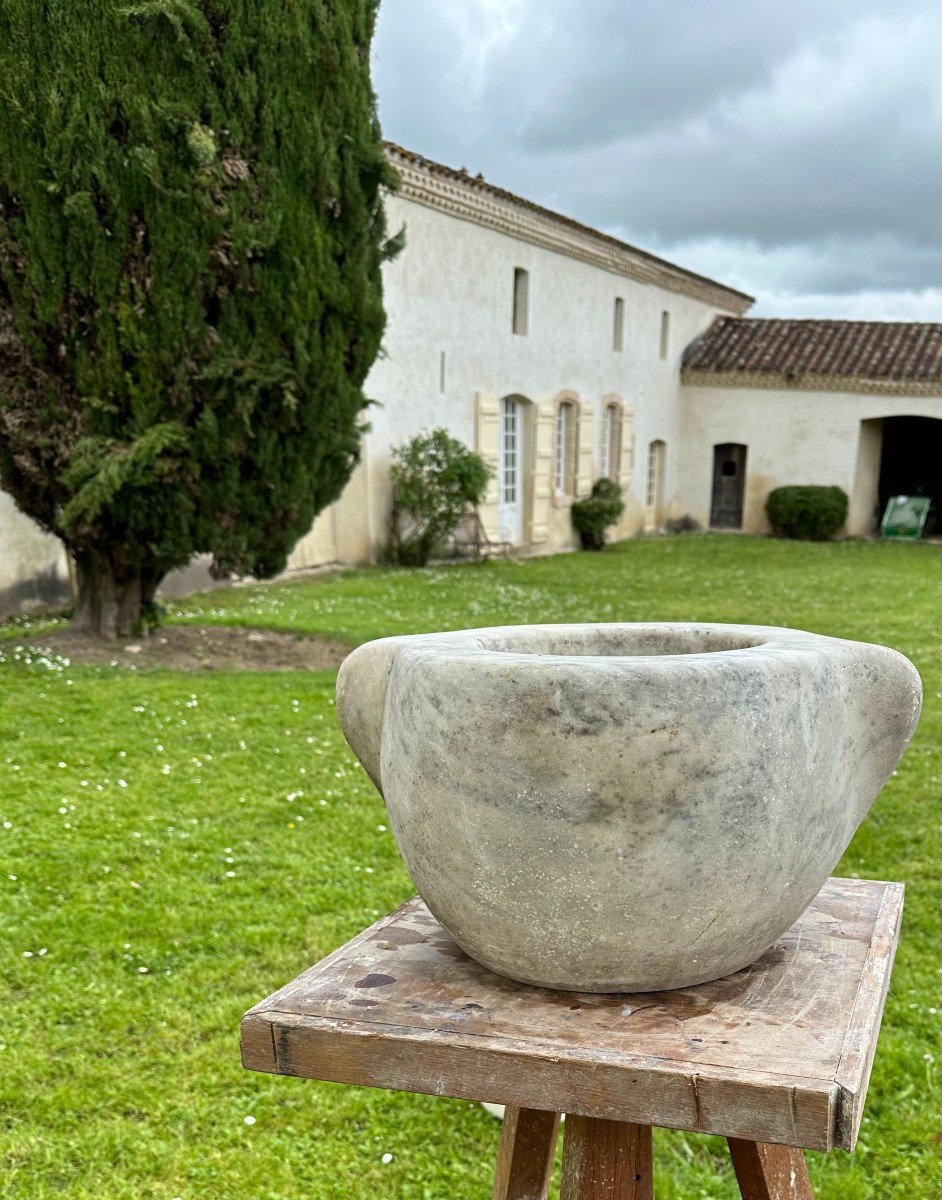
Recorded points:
(729, 483)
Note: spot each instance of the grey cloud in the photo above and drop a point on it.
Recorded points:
(593, 72)
(805, 134)
(906, 305)
(836, 267)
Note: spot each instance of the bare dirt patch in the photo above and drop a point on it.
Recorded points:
(198, 648)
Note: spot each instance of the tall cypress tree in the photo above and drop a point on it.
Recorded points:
(191, 236)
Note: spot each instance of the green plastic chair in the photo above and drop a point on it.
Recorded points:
(905, 517)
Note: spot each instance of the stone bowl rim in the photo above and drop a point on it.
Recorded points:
(494, 643)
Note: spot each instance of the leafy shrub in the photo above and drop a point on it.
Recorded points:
(592, 516)
(435, 480)
(807, 513)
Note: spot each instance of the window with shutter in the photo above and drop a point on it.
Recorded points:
(585, 448)
(487, 444)
(543, 466)
(610, 459)
(654, 490)
(626, 456)
(564, 472)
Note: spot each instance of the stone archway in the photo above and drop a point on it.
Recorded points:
(911, 463)
(897, 455)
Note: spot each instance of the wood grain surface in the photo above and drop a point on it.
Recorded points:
(526, 1154)
(606, 1160)
(779, 1052)
(770, 1172)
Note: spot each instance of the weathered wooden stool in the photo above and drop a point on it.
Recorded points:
(774, 1058)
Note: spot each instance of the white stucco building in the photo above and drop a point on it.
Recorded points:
(552, 349)
(562, 354)
(856, 404)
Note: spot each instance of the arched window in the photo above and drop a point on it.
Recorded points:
(610, 459)
(654, 492)
(514, 466)
(564, 471)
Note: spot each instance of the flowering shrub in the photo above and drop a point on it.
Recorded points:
(435, 480)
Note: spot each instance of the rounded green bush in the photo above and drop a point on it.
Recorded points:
(810, 513)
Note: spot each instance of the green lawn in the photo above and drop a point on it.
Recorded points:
(173, 847)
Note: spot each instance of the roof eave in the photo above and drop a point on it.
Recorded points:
(473, 199)
(808, 382)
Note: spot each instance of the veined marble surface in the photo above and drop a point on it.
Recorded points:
(624, 807)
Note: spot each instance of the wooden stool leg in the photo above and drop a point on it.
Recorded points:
(767, 1172)
(606, 1160)
(525, 1158)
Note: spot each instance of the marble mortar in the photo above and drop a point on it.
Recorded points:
(624, 808)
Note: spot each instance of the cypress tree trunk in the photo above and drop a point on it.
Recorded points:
(110, 602)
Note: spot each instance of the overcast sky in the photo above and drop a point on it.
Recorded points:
(792, 148)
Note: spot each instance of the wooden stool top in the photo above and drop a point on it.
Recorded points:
(779, 1052)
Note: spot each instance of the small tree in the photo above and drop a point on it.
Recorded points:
(592, 516)
(191, 234)
(435, 480)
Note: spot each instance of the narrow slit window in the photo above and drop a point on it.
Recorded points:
(665, 333)
(521, 301)
(441, 371)
(618, 325)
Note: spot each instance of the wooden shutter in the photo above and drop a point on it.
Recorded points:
(627, 456)
(585, 448)
(487, 444)
(544, 431)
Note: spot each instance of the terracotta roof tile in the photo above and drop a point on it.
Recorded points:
(871, 350)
